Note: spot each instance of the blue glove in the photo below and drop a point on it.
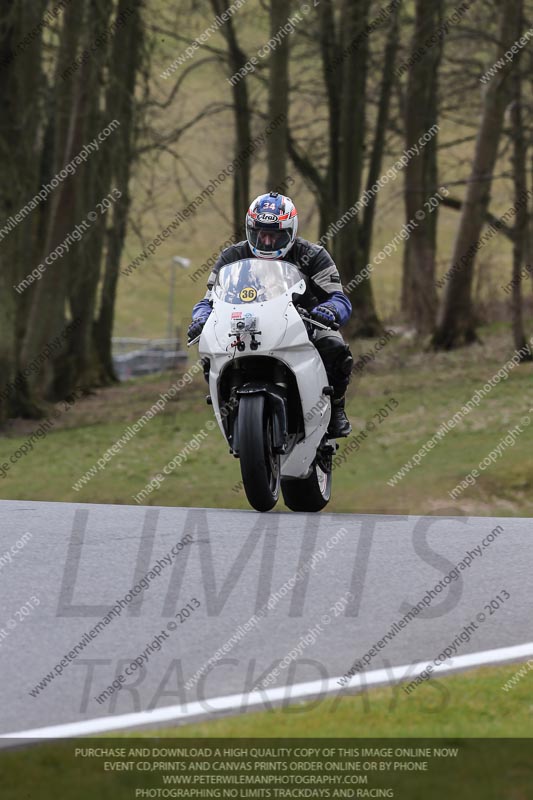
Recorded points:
(197, 326)
(327, 314)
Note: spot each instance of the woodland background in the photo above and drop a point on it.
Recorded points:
(356, 83)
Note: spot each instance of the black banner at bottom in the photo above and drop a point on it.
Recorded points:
(135, 768)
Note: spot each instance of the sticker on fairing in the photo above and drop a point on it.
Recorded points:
(248, 294)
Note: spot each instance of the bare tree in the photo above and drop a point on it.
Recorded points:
(354, 18)
(521, 220)
(380, 132)
(93, 186)
(419, 294)
(8, 355)
(54, 103)
(126, 61)
(278, 96)
(19, 167)
(456, 325)
(237, 60)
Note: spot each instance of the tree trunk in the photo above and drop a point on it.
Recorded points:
(324, 187)
(53, 105)
(376, 158)
(278, 97)
(328, 190)
(20, 81)
(9, 31)
(456, 324)
(521, 221)
(46, 317)
(243, 137)
(121, 104)
(419, 295)
(94, 182)
(354, 18)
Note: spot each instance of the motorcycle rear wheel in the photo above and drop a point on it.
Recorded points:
(308, 494)
(260, 466)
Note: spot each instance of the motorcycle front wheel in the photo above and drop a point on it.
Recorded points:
(308, 494)
(260, 466)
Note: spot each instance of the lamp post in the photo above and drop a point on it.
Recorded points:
(184, 263)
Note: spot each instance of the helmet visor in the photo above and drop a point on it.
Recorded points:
(269, 240)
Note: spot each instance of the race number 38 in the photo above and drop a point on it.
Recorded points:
(248, 294)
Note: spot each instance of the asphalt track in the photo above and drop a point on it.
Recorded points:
(331, 587)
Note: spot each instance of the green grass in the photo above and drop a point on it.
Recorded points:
(429, 389)
(469, 706)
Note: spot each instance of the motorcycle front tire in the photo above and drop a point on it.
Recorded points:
(260, 466)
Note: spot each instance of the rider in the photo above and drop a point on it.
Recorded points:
(271, 228)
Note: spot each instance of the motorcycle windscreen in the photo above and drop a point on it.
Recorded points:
(255, 280)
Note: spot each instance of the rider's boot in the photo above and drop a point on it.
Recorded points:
(339, 424)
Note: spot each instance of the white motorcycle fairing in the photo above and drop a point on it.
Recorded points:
(276, 330)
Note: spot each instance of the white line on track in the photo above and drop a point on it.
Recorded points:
(240, 702)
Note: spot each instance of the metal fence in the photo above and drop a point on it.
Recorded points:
(134, 357)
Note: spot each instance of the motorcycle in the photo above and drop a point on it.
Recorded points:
(268, 385)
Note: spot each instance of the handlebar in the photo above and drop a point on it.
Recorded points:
(310, 321)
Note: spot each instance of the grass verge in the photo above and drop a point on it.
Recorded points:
(428, 389)
(462, 710)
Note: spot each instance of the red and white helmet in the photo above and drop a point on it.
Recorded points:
(271, 225)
